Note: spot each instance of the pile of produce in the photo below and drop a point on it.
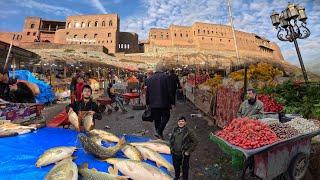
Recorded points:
(213, 83)
(269, 104)
(259, 75)
(199, 79)
(248, 133)
(303, 125)
(283, 131)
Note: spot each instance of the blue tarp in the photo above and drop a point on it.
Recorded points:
(19, 154)
(46, 93)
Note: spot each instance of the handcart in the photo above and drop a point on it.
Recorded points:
(104, 102)
(268, 162)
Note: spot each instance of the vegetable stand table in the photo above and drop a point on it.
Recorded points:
(267, 162)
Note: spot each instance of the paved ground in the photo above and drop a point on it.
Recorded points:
(207, 162)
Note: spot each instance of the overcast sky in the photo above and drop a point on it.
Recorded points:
(141, 15)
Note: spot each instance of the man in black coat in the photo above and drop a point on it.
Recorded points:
(159, 99)
(175, 84)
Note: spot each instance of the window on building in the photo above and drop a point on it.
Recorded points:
(211, 39)
(75, 36)
(229, 40)
(69, 25)
(121, 46)
(204, 31)
(111, 41)
(186, 35)
(180, 34)
(154, 36)
(198, 31)
(208, 32)
(194, 32)
(85, 36)
(89, 24)
(220, 40)
(109, 34)
(103, 24)
(34, 33)
(125, 46)
(98, 42)
(32, 26)
(96, 24)
(102, 42)
(67, 33)
(28, 33)
(202, 38)
(107, 41)
(83, 24)
(167, 36)
(95, 35)
(175, 35)
(161, 36)
(110, 23)
(211, 32)
(128, 46)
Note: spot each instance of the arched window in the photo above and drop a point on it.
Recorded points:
(83, 24)
(69, 25)
(125, 46)
(89, 24)
(103, 24)
(128, 46)
(85, 36)
(75, 36)
(110, 23)
(95, 35)
(96, 24)
(32, 26)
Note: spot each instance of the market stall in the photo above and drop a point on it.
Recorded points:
(268, 149)
(20, 163)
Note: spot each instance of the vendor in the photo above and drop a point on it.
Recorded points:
(13, 91)
(86, 104)
(116, 97)
(252, 107)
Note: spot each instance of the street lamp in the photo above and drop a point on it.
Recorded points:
(291, 25)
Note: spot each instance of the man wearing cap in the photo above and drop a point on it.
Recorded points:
(183, 142)
(252, 107)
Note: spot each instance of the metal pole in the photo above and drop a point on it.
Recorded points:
(304, 72)
(233, 31)
(7, 59)
(245, 79)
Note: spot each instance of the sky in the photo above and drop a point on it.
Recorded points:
(141, 15)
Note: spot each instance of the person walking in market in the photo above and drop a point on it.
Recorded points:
(175, 84)
(183, 142)
(79, 87)
(252, 107)
(159, 99)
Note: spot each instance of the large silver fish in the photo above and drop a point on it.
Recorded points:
(152, 155)
(132, 153)
(97, 150)
(93, 174)
(104, 135)
(154, 145)
(74, 119)
(54, 155)
(136, 170)
(63, 170)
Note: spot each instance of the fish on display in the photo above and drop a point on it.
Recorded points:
(54, 155)
(63, 170)
(74, 119)
(152, 155)
(88, 122)
(97, 150)
(93, 174)
(132, 152)
(105, 136)
(156, 146)
(136, 170)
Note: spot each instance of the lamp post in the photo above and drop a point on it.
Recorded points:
(291, 25)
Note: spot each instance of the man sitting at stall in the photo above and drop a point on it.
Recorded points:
(85, 106)
(252, 107)
(115, 97)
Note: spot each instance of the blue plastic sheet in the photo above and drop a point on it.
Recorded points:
(46, 93)
(19, 154)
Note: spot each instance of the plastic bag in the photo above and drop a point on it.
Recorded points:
(146, 116)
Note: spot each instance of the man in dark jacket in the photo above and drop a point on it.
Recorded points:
(183, 142)
(159, 99)
(175, 84)
(86, 104)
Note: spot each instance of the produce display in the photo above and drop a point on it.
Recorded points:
(269, 120)
(213, 83)
(199, 79)
(303, 125)
(283, 131)
(226, 108)
(269, 104)
(18, 111)
(248, 133)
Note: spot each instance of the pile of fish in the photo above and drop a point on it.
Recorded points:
(11, 129)
(134, 167)
(131, 168)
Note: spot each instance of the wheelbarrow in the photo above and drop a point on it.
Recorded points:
(104, 103)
